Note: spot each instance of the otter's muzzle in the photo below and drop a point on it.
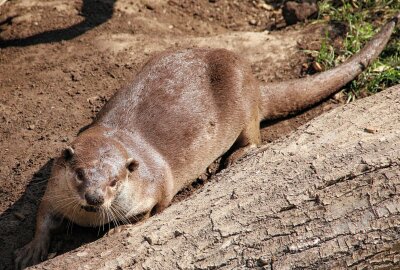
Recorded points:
(94, 199)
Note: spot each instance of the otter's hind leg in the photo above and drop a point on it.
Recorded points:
(248, 139)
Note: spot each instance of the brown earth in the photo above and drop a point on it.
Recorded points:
(61, 60)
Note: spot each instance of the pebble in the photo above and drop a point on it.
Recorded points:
(339, 96)
(234, 196)
(82, 254)
(92, 100)
(263, 261)
(371, 130)
(148, 239)
(253, 22)
(76, 77)
(149, 6)
(178, 233)
(266, 6)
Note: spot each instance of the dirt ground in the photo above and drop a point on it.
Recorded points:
(61, 60)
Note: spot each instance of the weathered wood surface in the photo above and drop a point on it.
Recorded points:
(327, 197)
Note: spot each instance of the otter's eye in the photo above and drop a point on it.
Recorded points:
(113, 183)
(131, 165)
(80, 175)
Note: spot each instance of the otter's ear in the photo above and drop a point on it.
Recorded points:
(67, 153)
(131, 164)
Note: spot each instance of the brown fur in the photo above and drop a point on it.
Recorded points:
(183, 111)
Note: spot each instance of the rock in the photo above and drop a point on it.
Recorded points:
(92, 100)
(252, 22)
(294, 12)
(371, 130)
(149, 6)
(340, 97)
(76, 76)
(266, 6)
(178, 233)
(148, 239)
(82, 254)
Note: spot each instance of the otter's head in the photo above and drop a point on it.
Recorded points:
(96, 169)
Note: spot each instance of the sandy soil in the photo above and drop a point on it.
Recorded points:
(61, 60)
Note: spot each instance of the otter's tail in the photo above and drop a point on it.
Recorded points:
(283, 98)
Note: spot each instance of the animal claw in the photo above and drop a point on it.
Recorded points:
(31, 254)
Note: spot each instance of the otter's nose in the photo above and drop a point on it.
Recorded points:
(94, 199)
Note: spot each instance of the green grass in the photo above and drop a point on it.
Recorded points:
(363, 19)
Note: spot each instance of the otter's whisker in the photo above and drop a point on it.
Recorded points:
(113, 217)
(100, 218)
(117, 215)
(123, 217)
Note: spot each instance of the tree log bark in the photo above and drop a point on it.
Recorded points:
(326, 197)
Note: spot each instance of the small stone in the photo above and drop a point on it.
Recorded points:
(82, 254)
(294, 12)
(339, 96)
(266, 6)
(178, 233)
(148, 239)
(76, 77)
(253, 22)
(31, 127)
(263, 261)
(234, 196)
(149, 6)
(170, 26)
(371, 130)
(92, 100)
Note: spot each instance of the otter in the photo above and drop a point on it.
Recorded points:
(184, 110)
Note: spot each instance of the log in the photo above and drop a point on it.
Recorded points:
(326, 197)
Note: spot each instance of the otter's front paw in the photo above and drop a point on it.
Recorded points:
(31, 254)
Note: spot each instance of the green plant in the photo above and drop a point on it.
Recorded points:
(361, 17)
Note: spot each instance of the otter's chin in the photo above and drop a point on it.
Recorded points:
(90, 208)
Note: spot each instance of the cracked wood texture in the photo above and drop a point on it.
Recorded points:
(326, 197)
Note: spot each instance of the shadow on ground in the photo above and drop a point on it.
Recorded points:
(95, 13)
(18, 223)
